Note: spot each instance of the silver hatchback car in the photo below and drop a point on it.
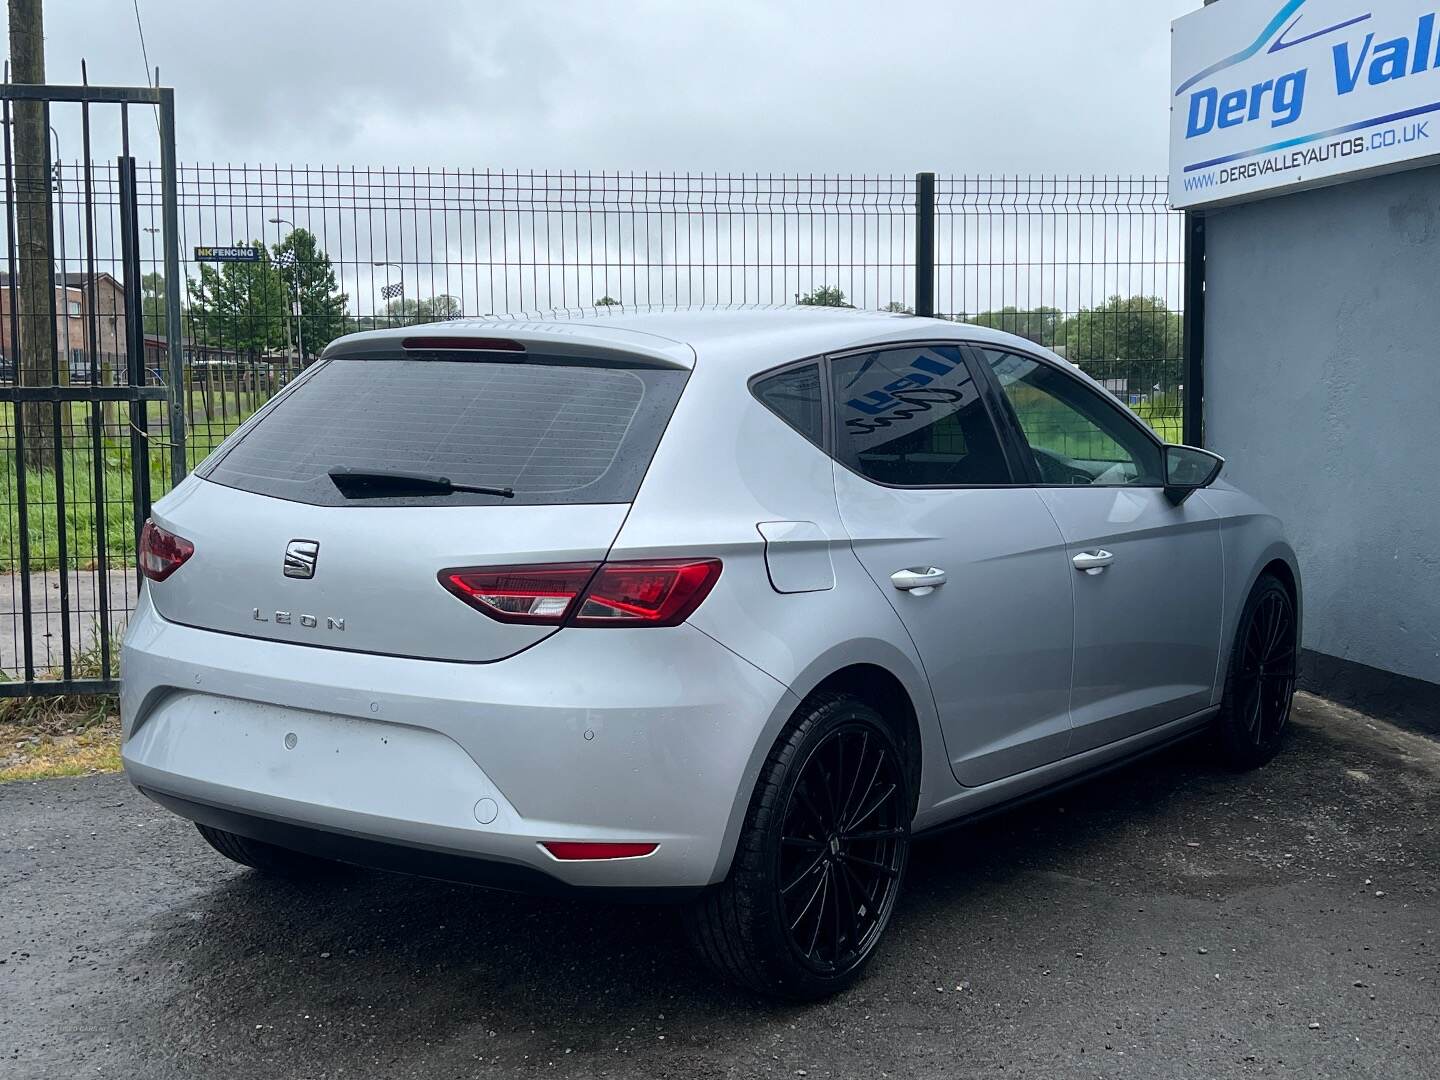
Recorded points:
(721, 606)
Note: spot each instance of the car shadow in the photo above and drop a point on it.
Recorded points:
(399, 962)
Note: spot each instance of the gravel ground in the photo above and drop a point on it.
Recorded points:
(1168, 920)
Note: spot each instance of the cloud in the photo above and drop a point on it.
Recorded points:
(734, 86)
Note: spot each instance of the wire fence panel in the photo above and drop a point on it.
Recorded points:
(348, 249)
(77, 460)
(1090, 267)
(277, 261)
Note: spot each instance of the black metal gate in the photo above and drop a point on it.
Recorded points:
(88, 426)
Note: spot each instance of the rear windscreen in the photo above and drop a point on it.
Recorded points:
(555, 432)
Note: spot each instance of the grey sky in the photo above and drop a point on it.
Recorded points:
(739, 85)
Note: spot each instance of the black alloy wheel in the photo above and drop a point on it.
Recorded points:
(1261, 680)
(820, 859)
(842, 848)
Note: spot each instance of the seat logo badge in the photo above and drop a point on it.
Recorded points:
(300, 556)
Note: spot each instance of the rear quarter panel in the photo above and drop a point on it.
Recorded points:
(726, 465)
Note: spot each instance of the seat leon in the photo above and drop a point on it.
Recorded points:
(721, 607)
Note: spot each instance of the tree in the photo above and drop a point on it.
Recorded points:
(895, 307)
(1124, 328)
(409, 312)
(155, 307)
(437, 308)
(246, 306)
(243, 306)
(1040, 325)
(1124, 337)
(34, 252)
(153, 303)
(309, 278)
(607, 301)
(825, 296)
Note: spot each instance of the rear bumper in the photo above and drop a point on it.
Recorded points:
(462, 866)
(645, 735)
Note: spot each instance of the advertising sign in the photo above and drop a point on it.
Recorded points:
(1274, 96)
(227, 254)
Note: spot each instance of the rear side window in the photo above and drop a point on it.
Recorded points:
(914, 417)
(555, 432)
(794, 396)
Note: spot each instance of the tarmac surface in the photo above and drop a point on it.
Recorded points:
(1169, 920)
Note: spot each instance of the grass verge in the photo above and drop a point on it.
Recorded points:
(75, 745)
(66, 735)
(89, 484)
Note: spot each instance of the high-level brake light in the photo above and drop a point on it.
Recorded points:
(461, 344)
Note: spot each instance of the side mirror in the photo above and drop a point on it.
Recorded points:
(1188, 469)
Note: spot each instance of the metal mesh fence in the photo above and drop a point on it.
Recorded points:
(76, 460)
(1091, 267)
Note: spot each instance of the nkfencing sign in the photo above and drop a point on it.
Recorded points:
(1272, 96)
(227, 254)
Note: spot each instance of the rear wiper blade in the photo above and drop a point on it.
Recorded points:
(382, 484)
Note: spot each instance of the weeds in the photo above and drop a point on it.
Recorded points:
(65, 712)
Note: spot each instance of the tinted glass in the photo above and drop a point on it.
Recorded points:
(1075, 434)
(1186, 466)
(794, 396)
(914, 418)
(555, 432)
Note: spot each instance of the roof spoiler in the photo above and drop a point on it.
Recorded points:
(545, 342)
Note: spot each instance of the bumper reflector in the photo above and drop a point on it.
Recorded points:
(576, 850)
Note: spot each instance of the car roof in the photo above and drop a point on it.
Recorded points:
(756, 337)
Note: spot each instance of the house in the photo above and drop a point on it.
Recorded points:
(72, 318)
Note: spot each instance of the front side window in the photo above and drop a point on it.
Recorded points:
(914, 417)
(1075, 435)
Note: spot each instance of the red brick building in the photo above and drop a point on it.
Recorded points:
(72, 311)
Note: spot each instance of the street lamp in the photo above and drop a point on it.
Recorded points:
(291, 264)
(390, 292)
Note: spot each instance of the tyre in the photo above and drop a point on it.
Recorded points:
(820, 859)
(1261, 680)
(267, 858)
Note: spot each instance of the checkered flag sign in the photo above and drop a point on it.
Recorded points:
(390, 292)
(285, 260)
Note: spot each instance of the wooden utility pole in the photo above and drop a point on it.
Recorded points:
(34, 293)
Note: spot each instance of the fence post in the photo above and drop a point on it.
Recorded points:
(170, 220)
(925, 244)
(1194, 334)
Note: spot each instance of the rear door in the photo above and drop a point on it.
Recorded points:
(281, 553)
(927, 489)
(1147, 574)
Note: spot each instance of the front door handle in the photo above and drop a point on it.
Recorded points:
(1093, 562)
(918, 582)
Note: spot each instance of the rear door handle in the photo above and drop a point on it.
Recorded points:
(1093, 562)
(918, 582)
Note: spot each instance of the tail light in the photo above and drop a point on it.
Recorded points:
(521, 594)
(647, 593)
(162, 552)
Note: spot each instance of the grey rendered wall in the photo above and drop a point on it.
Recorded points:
(1322, 389)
